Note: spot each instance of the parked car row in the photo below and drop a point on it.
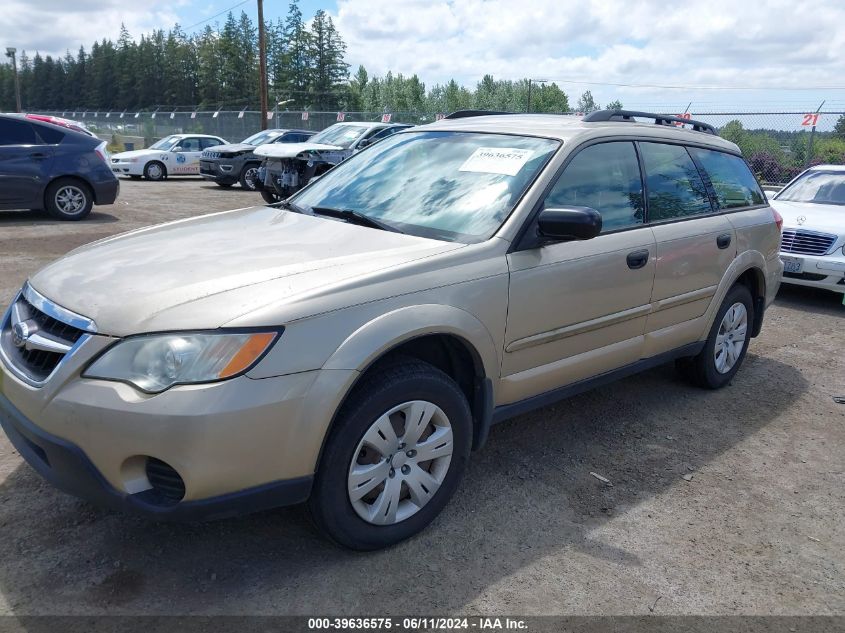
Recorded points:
(237, 163)
(44, 164)
(370, 328)
(286, 168)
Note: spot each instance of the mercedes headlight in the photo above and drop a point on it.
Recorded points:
(154, 363)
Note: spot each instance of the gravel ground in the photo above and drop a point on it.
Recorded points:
(727, 502)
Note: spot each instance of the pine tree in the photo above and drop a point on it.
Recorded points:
(292, 80)
(357, 87)
(328, 71)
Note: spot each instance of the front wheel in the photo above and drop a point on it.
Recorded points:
(248, 177)
(725, 347)
(394, 458)
(155, 171)
(271, 197)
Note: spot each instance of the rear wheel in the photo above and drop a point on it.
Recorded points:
(725, 348)
(155, 171)
(249, 175)
(395, 457)
(68, 199)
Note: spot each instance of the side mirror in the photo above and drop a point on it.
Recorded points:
(569, 223)
(178, 148)
(364, 143)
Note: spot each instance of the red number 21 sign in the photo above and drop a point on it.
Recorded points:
(811, 119)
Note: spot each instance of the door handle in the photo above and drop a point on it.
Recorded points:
(637, 259)
(38, 155)
(724, 240)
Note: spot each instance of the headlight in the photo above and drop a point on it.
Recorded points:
(156, 362)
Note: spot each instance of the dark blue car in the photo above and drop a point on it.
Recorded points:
(47, 166)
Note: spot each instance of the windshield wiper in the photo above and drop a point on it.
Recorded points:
(287, 204)
(354, 217)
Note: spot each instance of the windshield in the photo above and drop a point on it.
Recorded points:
(339, 134)
(165, 143)
(453, 186)
(820, 187)
(267, 136)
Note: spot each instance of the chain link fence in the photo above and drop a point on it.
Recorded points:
(777, 145)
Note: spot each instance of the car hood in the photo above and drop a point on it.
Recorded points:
(827, 218)
(203, 272)
(138, 153)
(293, 150)
(231, 148)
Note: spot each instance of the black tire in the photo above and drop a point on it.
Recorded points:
(151, 173)
(381, 389)
(248, 175)
(701, 370)
(68, 199)
(225, 185)
(271, 197)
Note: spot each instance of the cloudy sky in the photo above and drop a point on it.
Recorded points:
(792, 54)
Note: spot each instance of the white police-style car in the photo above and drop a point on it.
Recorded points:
(174, 155)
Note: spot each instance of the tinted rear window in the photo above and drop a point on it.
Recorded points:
(732, 180)
(15, 132)
(675, 188)
(50, 134)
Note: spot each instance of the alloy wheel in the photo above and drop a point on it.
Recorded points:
(70, 200)
(249, 177)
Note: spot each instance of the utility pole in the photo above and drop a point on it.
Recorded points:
(529, 96)
(10, 52)
(262, 64)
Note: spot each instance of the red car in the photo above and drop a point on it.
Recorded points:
(55, 120)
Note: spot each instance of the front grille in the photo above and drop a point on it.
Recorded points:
(45, 342)
(802, 242)
(211, 155)
(165, 480)
(805, 276)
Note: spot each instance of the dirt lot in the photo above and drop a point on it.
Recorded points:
(758, 529)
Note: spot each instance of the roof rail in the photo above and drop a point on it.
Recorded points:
(659, 119)
(463, 114)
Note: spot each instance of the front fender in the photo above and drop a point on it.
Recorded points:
(387, 331)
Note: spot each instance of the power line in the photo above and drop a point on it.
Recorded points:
(216, 15)
(627, 85)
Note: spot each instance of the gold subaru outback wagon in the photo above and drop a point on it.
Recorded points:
(351, 346)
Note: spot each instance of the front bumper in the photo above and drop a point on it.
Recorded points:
(818, 271)
(225, 173)
(239, 445)
(67, 467)
(125, 168)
